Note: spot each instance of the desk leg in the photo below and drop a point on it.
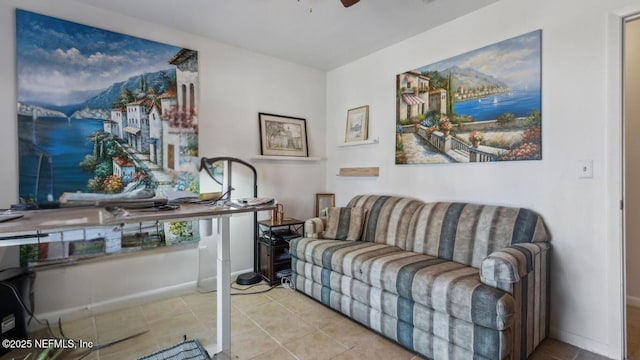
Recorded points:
(223, 314)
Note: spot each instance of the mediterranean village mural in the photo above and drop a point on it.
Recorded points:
(103, 112)
(480, 106)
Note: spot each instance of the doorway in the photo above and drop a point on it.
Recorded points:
(631, 166)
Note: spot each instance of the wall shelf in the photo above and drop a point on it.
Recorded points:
(356, 143)
(359, 171)
(286, 158)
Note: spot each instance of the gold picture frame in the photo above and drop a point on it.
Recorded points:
(324, 201)
(357, 124)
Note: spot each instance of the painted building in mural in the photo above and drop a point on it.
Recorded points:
(118, 121)
(162, 127)
(414, 94)
(438, 101)
(155, 132)
(182, 119)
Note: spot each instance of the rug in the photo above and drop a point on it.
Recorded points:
(187, 350)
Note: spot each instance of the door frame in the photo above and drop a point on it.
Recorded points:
(616, 172)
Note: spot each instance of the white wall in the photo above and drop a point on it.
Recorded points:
(577, 118)
(235, 85)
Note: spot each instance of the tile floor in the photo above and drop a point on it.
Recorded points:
(280, 324)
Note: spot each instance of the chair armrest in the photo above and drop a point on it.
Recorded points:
(314, 227)
(510, 264)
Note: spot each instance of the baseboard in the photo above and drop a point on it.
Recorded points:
(75, 313)
(581, 342)
(633, 301)
(70, 314)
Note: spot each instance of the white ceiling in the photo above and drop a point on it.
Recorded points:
(317, 33)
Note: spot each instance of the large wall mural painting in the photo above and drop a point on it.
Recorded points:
(480, 106)
(102, 112)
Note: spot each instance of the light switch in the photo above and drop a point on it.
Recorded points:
(585, 169)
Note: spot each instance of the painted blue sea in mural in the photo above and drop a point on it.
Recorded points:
(480, 106)
(102, 112)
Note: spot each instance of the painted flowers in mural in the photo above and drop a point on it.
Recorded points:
(480, 106)
(102, 112)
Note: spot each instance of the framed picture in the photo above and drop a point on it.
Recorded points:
(323, 202)
(357, 124)
(283, 135)
(484, 105)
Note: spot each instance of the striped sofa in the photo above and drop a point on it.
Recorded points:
(447, 280)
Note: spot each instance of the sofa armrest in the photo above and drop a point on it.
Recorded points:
(314, 227)
(510, 264)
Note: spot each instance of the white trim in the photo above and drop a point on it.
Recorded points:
(615, 182)
(580, 341)
(615, 327)
(101, 307)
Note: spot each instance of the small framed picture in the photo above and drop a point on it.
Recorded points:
(324, 202)
(283, 135)
(357, 124)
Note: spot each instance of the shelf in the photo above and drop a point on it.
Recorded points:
(361, 171)
(356, 143)
(286, 158)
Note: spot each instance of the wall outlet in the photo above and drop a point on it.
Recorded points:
(585, 169)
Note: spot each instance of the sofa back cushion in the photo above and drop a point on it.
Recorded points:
(461, 232)
(388, 218)
(344, 223)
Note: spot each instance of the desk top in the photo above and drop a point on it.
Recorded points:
(42, 221)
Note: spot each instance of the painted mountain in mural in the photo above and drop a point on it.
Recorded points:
(157, 82)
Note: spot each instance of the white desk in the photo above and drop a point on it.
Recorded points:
(43, 221)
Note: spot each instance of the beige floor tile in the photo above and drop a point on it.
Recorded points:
(119, 324)
(176, 329)
(379, 348)
(198, 298)
(558, 350)
(249, 344)
(241, 323)
(321, 317)
(163, 309)
(299, 304)
(286, 329)
(83, 329)
(130, 349)
(349, 333)
(279, 324)
(280, 293)
(246, 302)
(315, 346)
(268, 312)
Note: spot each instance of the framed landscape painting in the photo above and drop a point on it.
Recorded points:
(101, 112)
(357, 124)
(283, 135)
(480, 106)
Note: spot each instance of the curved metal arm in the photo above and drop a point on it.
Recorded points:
(206, 163)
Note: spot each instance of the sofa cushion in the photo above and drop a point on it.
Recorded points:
(345, 223)
(445, 286)
(344, 257)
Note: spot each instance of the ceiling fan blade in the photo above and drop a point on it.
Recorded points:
(348, 3)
